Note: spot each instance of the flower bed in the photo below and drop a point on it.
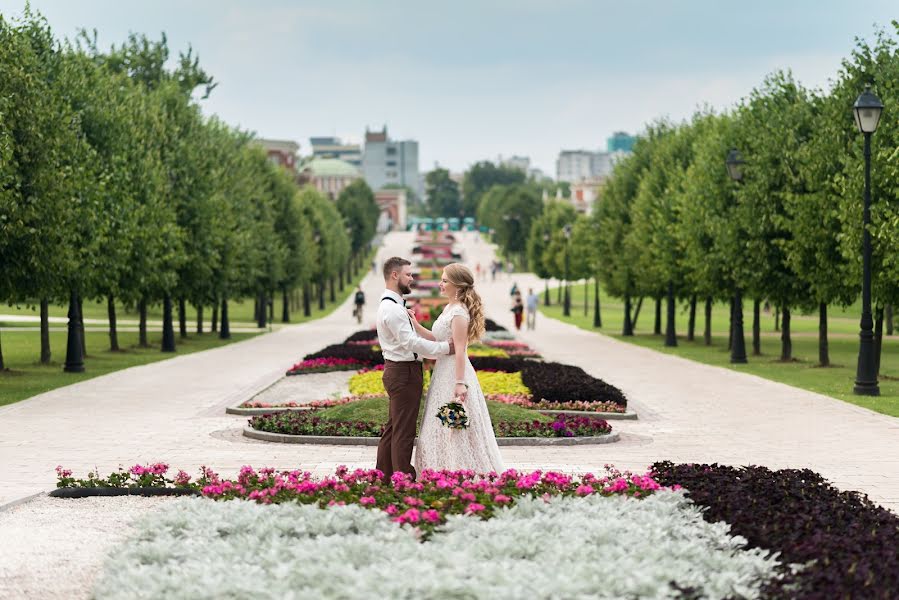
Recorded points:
(309, 423)
(562, 426)
(325, 365)
(371, 382)
(492, 363)
(848, 545)
(481, 350)
(362, 354)
(327, 403)
(501, 383)
(526, 401)
(312, 423)
(557, 382)
(364, 334)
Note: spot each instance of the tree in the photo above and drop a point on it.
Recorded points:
(481, 177)
(443, 194)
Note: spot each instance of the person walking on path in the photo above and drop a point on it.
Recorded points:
(518, 309)
(403, 349)
(533, 300)
(359, 302)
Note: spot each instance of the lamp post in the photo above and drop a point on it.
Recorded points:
(867, 111)
(597, 319)
(566, 310)
(734, 163)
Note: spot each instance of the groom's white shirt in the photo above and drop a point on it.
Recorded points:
(396, 336)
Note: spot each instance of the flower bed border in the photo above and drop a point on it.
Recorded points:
(88, 492)
(337, 440)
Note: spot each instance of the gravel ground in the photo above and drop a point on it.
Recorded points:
(303, 389)
(40, 559)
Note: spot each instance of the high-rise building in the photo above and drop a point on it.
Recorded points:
(386, 162)
(332, 147)
(575, 165)
(620, 142)
(522, 163)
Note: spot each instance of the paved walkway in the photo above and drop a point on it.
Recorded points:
(173, 410)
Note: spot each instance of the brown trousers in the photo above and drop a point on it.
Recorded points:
(403, 382)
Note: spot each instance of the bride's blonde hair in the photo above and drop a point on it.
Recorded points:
(460, 276)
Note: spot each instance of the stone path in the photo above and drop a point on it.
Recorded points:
(173, 410)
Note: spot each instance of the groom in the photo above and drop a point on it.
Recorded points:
(402, 349)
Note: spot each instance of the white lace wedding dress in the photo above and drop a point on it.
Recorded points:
(440, 447)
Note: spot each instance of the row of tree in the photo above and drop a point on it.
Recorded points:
(116, 187)
(672, 225)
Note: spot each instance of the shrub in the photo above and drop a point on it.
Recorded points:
(308, 423)
(847, 544)
(565, 383)
(561, 426)
(362, 354)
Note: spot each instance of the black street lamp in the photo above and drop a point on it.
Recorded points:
(74, 357)
(734, 163)
(867, 111)
(566, 310)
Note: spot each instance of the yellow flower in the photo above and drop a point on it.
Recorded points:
(502, 383)
(372, 382)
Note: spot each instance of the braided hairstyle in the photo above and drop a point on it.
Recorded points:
(460, 276)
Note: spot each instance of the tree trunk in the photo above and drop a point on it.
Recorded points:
(113, 333)
(786, 346)
(2, 365)
(182, 317)
(331, 287)
(707, 333)
(889, 318)
(215, 316)
(691, 321)
(628, 329)
(559, 297)
(878, 337)
(270, 303)
(45, 332)
(260, 300)
(670, 334)
(823, 351)
(225, 328)
(168, 325)
(74, 345)
(200, 319)
(285, 309)
(776, 318)
(307, 299)
(657, 327)
(636, 314)
(757, 328)
(340, 280)
(142, 328)
(256, 309)
(730, 335)
(81, 326)
(546, 292)
(586, 297)
(321, 295)
(597, 317)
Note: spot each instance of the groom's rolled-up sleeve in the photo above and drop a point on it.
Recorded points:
(411, 341)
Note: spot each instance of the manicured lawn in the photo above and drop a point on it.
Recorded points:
(835, 381)
(375, 410)
(27, 377)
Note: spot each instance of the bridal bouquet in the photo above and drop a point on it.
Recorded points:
(453, 415)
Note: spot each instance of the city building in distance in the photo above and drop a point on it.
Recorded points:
(386, 162)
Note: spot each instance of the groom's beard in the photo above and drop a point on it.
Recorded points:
(404, 289)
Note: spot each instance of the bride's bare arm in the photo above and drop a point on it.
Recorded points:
(460, 340)
(420, 329)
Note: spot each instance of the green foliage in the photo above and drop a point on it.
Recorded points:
(443, 194)
(509, 210)
(481, 177)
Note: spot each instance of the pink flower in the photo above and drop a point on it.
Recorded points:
(182, 478)
(367, 500)
(584, 490)
(431, 516)
(391, 509)
(412, 501)
(63, 472)
(474, 507)
(501, 499)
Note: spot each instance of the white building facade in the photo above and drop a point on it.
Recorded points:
(386, 162)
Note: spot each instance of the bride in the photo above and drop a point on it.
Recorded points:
(454, 379)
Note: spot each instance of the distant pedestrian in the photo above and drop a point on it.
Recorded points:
(533, 300)
(493, 268)
(514, 289)
(374, 267)
(510, 268)
(477, 270)
(517, 310)
(359, 302)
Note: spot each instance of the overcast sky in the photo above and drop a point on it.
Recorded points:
(471, 80)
